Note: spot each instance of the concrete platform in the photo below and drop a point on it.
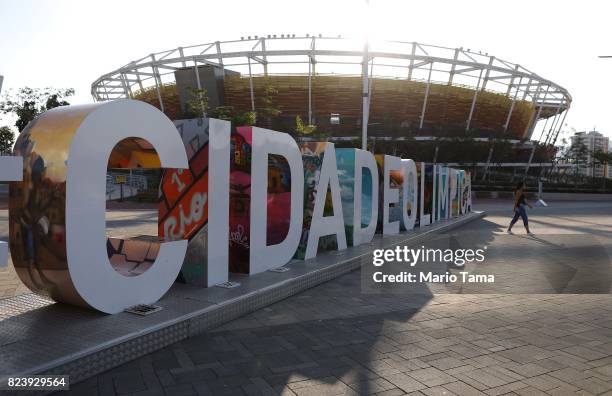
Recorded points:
(38, 336)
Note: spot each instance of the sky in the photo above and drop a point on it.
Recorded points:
(64, 43)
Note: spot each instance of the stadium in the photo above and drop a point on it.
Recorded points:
(426, 102)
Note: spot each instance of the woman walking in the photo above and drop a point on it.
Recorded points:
(519, 208)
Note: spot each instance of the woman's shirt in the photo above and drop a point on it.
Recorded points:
(520, 198)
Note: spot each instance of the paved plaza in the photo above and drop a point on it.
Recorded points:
(334, 339)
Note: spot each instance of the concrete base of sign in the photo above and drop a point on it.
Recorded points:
(38, 336)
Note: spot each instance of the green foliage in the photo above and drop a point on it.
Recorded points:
(245, 118)
(7, 139)
(577, 153)
(28, 102)
(602, 158)
(303, 129)
(222, 112)
(198, 102)
(269, 108)
(237, 118)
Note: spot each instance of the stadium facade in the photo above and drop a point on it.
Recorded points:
(414, 90)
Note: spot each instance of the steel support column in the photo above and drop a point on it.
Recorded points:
(489, 157)
(264, 57)
(535, 119)
(512, 106)
(157, 79)
(251, 86)
(410, 67)
(126, 88)
(451, 74)
(364, 93)
(535, 144)
(220, 59)
(426, 96)
(552, 126)
(197, 74)
(527, 89)
(560, 126)
(512, 81)
(182, 55)
(309, 93)
(486, 77)
(469, 120)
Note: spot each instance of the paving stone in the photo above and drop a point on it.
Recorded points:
(405, 383)
(128, 383)
(431, 376)
(463, 389)
(333, 338)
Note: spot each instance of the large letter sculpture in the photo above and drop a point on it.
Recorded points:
(409, 194)
(326, 225)
(266, 143)
(443, 189)
(390, 194)
(365, 160)
(57, 214)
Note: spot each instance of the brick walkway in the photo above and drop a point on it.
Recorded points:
(388, 345)
(333, 340)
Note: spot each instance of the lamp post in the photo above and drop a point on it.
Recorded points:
(605, 56)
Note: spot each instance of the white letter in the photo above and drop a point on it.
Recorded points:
(266, 142)
(328, 225)
(468, 191)
(423, 220)
(434, 194)
(364, 160)
(409, 192)
(95, 280)
(218, 201)
(442, 193)
(461, 187)
(390, 195)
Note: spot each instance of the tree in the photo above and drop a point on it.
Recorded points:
(198, 102)
(303, 129)
(7, 139)
(269, 108)
(602, 158)
(28, 102)
(237, 118)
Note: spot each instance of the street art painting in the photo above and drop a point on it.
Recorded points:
(396, 179)
(240, 199)
(278, 203)
(312, 158)
(453, 192)
(183, 207)
(345, 160)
